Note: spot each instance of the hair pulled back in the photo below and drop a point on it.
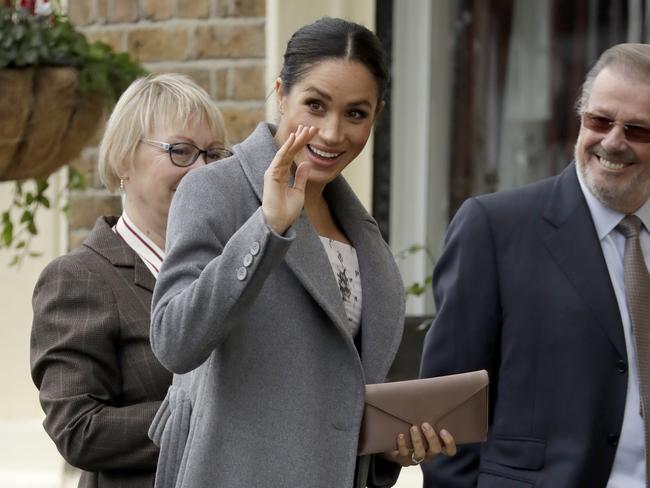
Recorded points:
(332, 38)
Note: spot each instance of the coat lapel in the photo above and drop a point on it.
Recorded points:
(382, 308)
(571, 238)
(306, 257)
(383, 299)
(103, 241)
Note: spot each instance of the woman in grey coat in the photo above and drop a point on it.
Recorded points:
(278, 299)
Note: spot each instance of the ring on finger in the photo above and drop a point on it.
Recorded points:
(415, 459)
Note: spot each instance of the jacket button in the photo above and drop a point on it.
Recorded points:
(612, 440)
(621, 367)
(241, 273)
(255, 248)
(248, 260)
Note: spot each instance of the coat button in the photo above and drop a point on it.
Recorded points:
(255, 248)
(248, 260)
(241, 273)
(621, 367)
(612, 440)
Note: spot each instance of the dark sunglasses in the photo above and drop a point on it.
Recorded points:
(184, 154)
(598, 123)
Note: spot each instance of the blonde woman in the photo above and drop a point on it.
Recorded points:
(99, 382)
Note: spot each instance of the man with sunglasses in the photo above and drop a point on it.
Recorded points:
(547, 288)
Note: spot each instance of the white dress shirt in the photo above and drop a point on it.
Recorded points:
(628, 470)
(137, 240)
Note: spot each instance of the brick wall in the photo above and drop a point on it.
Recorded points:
(219, 43)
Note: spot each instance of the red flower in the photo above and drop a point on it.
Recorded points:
(28, 5)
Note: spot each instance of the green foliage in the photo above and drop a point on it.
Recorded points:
(30, 40)
(417, 288)
(33, 40)
(18, 224)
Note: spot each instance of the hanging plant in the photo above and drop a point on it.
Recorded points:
(55, 88)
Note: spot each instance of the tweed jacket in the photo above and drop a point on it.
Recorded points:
(269, 386)
(100, 384)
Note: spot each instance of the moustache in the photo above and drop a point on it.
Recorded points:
(626, 155)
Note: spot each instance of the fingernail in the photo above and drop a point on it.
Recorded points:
(401, 437)
(427, 427)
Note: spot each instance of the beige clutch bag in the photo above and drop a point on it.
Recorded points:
(457, 403)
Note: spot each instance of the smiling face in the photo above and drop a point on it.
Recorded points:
(614, 169)
(151, 178)
(339, 98)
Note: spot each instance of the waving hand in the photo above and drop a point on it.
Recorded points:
(281, 203)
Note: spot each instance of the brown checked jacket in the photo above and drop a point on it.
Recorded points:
(100, 384)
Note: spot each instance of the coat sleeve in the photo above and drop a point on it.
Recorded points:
(216, 262)
(465, 334)
(75, 365)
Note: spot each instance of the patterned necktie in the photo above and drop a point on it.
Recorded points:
(637, 289)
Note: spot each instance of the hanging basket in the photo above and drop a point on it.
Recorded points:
(45, 121)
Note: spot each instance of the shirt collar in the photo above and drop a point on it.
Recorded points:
(137, 240)
(606, 219)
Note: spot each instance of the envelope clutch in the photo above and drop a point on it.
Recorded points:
(457, 403)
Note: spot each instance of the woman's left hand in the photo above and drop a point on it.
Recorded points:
(426, 444)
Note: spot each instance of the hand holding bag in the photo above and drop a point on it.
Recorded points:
(457, 403)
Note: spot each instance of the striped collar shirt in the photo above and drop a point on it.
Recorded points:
(145, 248)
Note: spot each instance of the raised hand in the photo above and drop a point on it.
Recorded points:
(281, 203)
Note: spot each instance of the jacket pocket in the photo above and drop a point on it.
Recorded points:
(516, 452)
(169, 431)
(493, 480)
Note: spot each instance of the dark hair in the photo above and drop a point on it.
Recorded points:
(332, 38)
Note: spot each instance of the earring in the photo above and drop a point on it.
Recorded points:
(121, 185)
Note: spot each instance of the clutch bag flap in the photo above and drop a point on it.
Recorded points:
(457, 403)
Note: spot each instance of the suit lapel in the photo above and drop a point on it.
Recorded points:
(571, 238)
(142, 277)
(103, 241)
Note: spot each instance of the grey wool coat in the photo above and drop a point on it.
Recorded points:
(269, 386)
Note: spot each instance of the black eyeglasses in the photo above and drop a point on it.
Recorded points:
(184, 154)
(598, 123)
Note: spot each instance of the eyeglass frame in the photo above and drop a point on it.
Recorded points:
(168, 147)
(642, 137)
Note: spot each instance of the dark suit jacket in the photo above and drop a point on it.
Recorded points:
(522, 290)
(99, 383)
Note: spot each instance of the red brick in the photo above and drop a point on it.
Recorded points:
(157, 9)
(80, 12)
(246, 83)
(101, 11)
(193, 8)
(85, 209)
(220, 8)
(159, 43)
(200, 75)
(123, 11)
(114, 38)
(240, 121)
(219, 88)
(230, 41)
(249, 8)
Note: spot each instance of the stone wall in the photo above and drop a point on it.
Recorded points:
(219, 43)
